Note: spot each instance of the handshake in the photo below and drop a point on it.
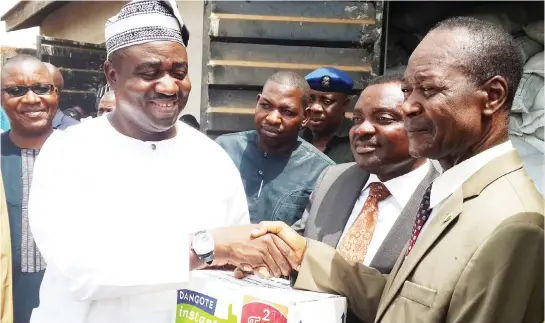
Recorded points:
(270, 249)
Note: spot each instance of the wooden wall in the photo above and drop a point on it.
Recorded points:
(248, 41)
(81, 66)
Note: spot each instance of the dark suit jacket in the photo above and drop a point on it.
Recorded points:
(331, 204)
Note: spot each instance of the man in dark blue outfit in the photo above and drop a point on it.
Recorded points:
(29, 98)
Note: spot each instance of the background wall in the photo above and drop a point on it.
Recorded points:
(74, 22)
(192, 13)
(80, 20)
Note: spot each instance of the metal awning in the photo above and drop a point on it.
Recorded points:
(26, 14)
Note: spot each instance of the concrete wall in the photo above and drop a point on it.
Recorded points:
(84, 21)
(192, 13)
(80, 20)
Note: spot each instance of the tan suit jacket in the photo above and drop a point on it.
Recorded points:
(6, 295)
(479, 260)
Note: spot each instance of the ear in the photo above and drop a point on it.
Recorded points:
(258, 98)
(111, 74)
(496, 95)
(306, 115)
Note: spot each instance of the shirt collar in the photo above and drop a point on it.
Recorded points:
(182, 130)
(448, 182)
(403, 187)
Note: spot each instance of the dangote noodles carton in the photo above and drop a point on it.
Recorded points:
(217, 297)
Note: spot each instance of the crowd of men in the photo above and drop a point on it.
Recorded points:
(353, 206)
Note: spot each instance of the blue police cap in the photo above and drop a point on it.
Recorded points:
(330, 79)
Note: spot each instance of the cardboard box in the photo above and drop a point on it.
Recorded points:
(218, 297)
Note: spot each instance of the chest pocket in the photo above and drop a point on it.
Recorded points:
(418, 294)
(291, 205)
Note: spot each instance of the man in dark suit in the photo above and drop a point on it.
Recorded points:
(344, 210)
(381, 149)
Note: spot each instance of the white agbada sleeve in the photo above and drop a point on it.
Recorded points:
(238, 205)
(98, 259)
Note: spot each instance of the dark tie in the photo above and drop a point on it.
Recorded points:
(422, 216)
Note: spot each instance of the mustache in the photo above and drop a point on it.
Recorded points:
(32, 108)
(271, 128)
(367, 139)
(161, 96)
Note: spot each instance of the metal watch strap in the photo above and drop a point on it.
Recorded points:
(207, 258)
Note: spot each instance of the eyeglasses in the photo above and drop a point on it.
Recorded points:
(21, 90)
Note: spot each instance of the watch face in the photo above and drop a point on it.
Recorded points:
(203, 243)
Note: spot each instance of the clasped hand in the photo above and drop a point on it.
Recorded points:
(270, 249)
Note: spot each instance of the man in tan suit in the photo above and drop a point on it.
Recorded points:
(6, 294)
(476, 253)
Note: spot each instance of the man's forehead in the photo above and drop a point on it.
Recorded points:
(27, 69)
(282, 94)
(158, 53)
(383, 96)
(434, 56)
(327, 94)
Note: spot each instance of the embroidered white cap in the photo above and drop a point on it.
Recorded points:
(142, 21)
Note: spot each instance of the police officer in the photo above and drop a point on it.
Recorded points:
(327, 128)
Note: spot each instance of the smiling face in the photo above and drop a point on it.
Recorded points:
(378, 140)
(31, 113)
(443, 106)
(279, 114)
(151, 84)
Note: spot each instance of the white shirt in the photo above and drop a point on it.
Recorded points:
(452, 179)
(122, 257)
(401, 189)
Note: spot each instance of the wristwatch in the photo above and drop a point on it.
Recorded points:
(203, 245)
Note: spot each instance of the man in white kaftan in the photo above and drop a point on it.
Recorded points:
(109, 257)
(120, 258)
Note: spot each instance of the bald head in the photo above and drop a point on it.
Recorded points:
(292, 80)
(58, 80)
(483, 50)
(106, 103)
(28, 98)
(14, 64)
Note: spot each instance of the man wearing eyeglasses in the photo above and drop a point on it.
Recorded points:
(29, 99)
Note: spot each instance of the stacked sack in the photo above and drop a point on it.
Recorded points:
(527, 119)
(409, 23)
(528, 111)
(526, 124)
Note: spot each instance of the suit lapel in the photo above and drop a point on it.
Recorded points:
(400, 233)
(442, 221)
(439, 223)
(338, 204)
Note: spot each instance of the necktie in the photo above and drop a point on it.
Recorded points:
(422, 216)
(354, 245)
